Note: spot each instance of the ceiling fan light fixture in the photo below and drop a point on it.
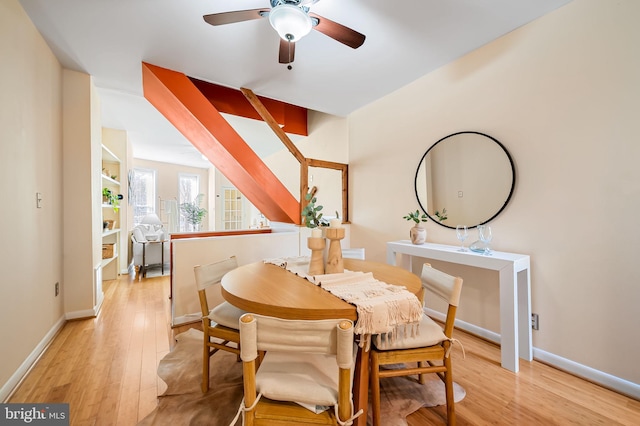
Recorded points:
(291, 22)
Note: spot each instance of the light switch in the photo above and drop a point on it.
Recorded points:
(39, 200)
(459, 194)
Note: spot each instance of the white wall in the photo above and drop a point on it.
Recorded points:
(563, 95)
(30, 162)
(328, 141)
(82, 194)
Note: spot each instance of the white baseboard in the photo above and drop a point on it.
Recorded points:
(187, 319)
(596, 376)
(468, 327)
(87, 313)
(14, 380)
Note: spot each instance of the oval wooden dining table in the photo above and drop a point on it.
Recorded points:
(267, 289)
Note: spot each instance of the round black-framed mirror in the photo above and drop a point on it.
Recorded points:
(467, 177)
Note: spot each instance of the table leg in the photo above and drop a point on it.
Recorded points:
(162, 256)
(525, 342)
(508, 319)
(143, 271)
(404, 262)
(361, 387)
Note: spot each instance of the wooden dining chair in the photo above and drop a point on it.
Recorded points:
(220, 324)
(307, 367)
(430, 348)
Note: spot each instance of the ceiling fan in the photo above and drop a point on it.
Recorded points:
(292, 20)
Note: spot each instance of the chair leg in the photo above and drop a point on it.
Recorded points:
(375, 388)
(205, 366)
(421, 377)
(448, 384)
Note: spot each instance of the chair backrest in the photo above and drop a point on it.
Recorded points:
(276, 335)
(263, 333)
(353, 253)
(442, 284)
(445, 286)
(210, 274)
(138, 234)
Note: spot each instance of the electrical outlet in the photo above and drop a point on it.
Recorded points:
(57, 289)
(534, 322)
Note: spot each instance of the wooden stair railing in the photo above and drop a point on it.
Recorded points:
(304, 162)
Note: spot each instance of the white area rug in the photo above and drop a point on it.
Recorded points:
(183, 403)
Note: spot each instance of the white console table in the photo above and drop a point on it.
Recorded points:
(515, 294)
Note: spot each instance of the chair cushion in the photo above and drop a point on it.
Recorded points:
(430, 333)
(226, 314)
(301, 377)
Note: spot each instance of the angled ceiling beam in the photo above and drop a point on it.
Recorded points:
(180, 101)
(292, 118)
(263, 111)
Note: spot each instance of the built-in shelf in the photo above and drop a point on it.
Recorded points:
(111, 166)
(109, 156)
(106, 178)
(105, 262)
(110, 232)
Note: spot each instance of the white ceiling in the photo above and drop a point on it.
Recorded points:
(405, 40)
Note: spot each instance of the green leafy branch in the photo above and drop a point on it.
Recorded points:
(311, 213)
(441, 216)
(416, 217)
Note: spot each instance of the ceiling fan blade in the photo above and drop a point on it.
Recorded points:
(338, 32)
(236, 16)
(287, 51)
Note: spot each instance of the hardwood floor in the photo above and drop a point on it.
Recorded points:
(105, 368)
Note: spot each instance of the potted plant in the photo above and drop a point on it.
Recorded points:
(110, 197)
(193, 213)
(311, 213)
(418, 233)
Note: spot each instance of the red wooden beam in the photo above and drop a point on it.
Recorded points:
(292, 118)
(180, 101)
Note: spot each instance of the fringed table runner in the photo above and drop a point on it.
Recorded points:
(382, 308)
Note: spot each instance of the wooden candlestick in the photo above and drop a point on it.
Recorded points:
(334, 257)
(316, 264)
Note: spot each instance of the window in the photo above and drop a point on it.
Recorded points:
(143, 192)
(188, 191)
(232, 218)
